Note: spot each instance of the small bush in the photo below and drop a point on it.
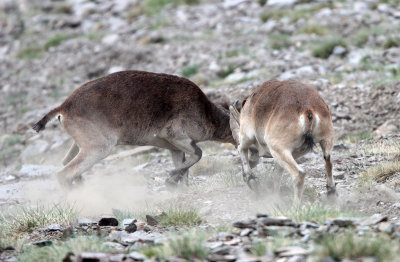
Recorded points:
(180, 215)
(30, 53)
(58, 251)
(279, 41)
(55, 41)
(189, 245)
(326, 49)
(313, 29)
(190, 70)
(391, 42)
(350, 246)
(224, 73)
(262, 2)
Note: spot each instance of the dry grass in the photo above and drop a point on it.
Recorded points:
(378, 173)
(188, 245)
(388, 148)
(350, 246)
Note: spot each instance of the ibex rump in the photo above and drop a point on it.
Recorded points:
(283, 120)
(138, 108)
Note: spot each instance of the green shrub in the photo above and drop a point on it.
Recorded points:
(30, 53)
(391, 42)
(313, 29)
(190, 70)
(326, 48)
(279, 41)
(55, 40)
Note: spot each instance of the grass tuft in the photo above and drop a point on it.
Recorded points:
(27, 219)
(155, 6)
(190, 70)
(391, 42)
(58, 251)
(179, 215)
(30, 53)
(311, 212)
(326, 48)
(55, 40)
(313, 29)
(350, 246)
(189, 245)
(279, 41)
(354, 138)
(379, 173)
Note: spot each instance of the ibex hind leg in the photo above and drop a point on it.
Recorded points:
(72, 152)
(192, 155)
(285, 159)
(178, 158)
(326, 146)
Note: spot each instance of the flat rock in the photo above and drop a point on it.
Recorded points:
(342, 222)
(276, 221)
(137, 256)
(245, 224)
(128, 221)
(85, 222)
(372, 220)
(291, 251)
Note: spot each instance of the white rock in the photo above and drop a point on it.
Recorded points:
(110, 39)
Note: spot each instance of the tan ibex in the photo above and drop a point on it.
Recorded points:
(283, 120)
(138, 108)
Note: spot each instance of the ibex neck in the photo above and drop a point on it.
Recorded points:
(220, 120)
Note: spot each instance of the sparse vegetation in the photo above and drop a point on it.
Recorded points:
(30, 53)
(155, 6)
(350, 246)
(354, 138)
(188, 245)
(190, 70)
(313, 29)
(325, 49)
(59, 250)
(391, 42)
(378, 173)
(258, 248)
(180, 215)
(312, 212)
(225, 72)
(55, 40)
(279, 41)
(27, 219)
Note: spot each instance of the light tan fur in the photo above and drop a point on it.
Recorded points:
(282, 120)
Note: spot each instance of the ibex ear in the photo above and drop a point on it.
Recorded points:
(234, 122)
(234, 113)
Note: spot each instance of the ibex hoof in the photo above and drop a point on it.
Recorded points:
(254, 183)
(331, 191)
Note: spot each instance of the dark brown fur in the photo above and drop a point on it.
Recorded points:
(141, 108)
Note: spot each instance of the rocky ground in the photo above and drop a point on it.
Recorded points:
(350, 50)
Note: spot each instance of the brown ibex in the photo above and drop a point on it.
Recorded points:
(283, 120)
(138, 108)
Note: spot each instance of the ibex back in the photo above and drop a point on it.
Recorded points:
(283, 120)
(138, 108)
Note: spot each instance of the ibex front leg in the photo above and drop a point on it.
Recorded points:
(248, 175)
